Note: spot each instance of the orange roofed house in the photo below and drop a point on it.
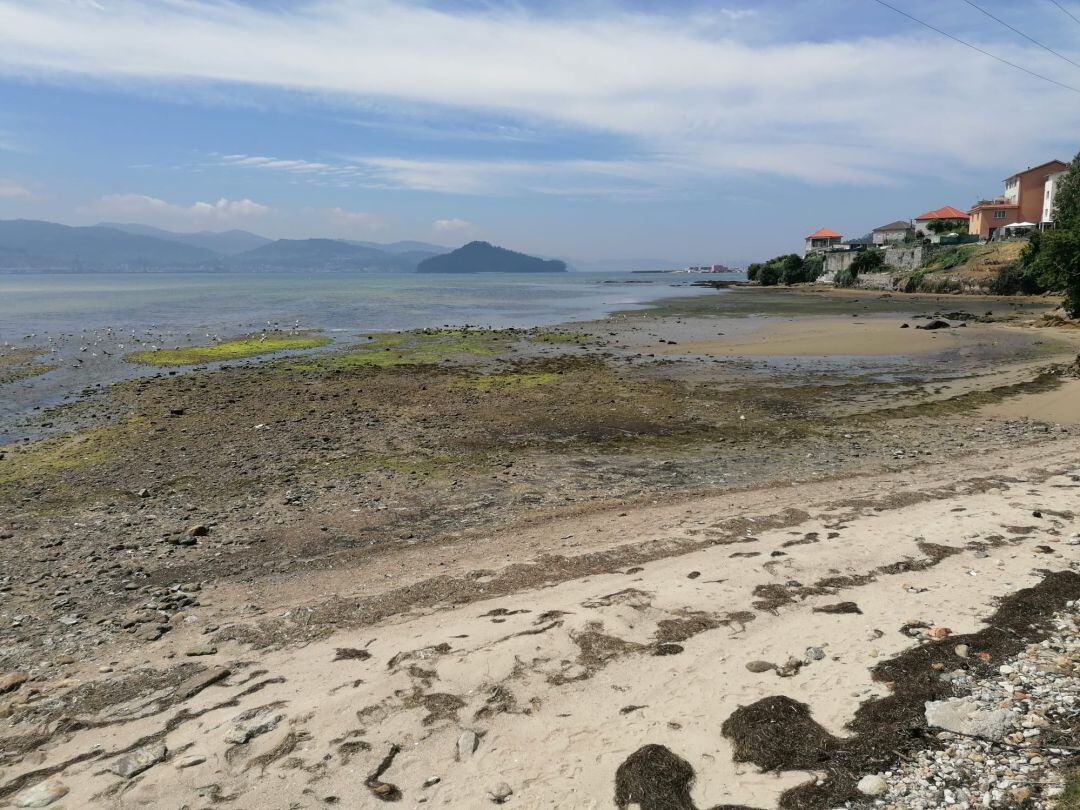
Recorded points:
(821, 240)
(1028, 197)
(940, 221)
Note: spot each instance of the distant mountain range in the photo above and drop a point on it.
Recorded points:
(483, 257)
(32, 245)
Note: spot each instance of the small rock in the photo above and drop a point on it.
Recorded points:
(202, 649)
(501, 793)
(963, 716)
(196, 683)
(467, 743)
(961, 650)
(760, 666)
(191, 762)
(42, 794)
(872, 785)
(198, 530)
(138, 761)
(248, 728)
(814, 653)
(432, 780)
(938, 633)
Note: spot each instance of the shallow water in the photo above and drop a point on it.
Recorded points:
(86, 322)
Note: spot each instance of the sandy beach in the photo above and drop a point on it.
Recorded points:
(462, 569)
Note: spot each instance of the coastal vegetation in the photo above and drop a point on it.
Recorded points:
(868, 261)
(1052, 258)
(788, 269)
(237, 349)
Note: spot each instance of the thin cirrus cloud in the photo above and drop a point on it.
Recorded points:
(687, 90)
(590, 178)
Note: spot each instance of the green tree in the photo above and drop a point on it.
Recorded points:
(867, 262)
(1051, 259)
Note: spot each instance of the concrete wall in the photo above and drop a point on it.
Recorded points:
(835, 262)
(907, 257)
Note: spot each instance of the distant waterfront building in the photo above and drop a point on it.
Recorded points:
(933, 224)
(821, 240)
(893, 232)
(1028, 197)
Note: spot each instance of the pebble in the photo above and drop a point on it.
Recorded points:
(138, 761)
(760, 666)
(872, 785)
(467, 743)
(500, 793)
(1026, 693)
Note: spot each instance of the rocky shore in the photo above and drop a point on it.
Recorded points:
(335, 578)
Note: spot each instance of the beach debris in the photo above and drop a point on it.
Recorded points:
(384, 791)
(351, 654)
(839, 608)
(654, 778)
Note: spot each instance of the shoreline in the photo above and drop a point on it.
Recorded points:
(560, 537)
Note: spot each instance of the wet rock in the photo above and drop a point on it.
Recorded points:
(963, 716)
(467, 743)
(872, 785)
(12, 681)
(138, 761)
(248, 726)
(500, 793)
(42, 794)
(196, 683)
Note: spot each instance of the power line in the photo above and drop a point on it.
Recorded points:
(977, 48)
(1021, 33)
(1056, 3)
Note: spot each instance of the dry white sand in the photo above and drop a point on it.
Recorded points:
(546, 676)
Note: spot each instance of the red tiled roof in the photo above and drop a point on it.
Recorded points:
(824, 233)
(947, 212)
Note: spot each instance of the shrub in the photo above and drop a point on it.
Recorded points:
(867, 262)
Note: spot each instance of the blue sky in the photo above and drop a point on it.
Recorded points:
(695, 131)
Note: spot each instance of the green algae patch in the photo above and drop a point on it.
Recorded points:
(88, 448)
(410, 349)
(509, 382)
(236, 349)
(26, 372)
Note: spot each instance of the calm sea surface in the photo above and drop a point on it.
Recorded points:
(87, 322)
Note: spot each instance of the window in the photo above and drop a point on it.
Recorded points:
(999, 215)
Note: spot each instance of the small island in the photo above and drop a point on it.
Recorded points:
(483, 257)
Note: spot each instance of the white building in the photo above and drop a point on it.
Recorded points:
(1053, 181)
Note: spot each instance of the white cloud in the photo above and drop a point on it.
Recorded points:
(153, 211)
(10, 190)
(452, 225)
(679, 87)
(355, 222)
